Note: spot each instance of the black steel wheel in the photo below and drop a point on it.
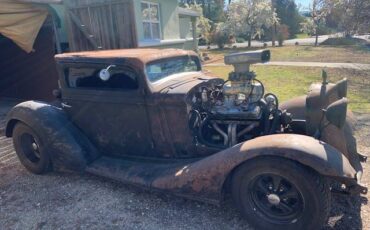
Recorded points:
(276, 193)
(29, 149)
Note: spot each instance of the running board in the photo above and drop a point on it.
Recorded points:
(133, 172)
(163, 176)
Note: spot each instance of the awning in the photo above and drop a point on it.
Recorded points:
(21, 22)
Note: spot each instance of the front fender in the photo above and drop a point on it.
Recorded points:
(206, 177)
(344, 141)
(68, 147)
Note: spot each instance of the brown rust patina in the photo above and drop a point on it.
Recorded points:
(142, 56)
(144, 136)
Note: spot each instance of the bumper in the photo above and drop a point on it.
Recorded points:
(358, 188)
(351, 187)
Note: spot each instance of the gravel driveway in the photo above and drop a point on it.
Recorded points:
(74, 201)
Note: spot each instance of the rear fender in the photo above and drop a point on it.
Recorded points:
(206, 177)
(68, 147)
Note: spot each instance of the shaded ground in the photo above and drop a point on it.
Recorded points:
(74, 201)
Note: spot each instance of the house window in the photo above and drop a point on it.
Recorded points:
(151, 22)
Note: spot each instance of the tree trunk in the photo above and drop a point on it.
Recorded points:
(316, 37)
(249, 40)
(273, 35)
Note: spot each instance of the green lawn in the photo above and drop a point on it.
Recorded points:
(343, 54)
(288, 82)
(302, 35)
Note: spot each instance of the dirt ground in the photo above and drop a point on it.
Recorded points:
(74, 201)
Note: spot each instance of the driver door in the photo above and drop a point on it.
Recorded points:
(112, 113)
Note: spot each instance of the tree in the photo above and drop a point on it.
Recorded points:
(319, 9)
(308, 26)
(250, 17)
(287, 12)
(350, 16)
(220, 35)
(203, 23)
(282, 33)
(212, 9)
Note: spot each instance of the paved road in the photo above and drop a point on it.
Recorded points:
(301, 41)
(358, 66)
(289, 42)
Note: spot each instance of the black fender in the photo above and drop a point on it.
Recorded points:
(68, 147)
(207, 176)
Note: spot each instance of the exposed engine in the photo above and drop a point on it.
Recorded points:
(238, 109)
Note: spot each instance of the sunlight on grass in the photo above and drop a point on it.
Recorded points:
(346, 54)
(288, 82)
(302, 35)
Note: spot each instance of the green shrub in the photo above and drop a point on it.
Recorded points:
(282, 34)
(240, 40)
(344, 41)
(220, 38)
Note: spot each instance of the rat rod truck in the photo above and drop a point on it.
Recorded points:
(152, 118)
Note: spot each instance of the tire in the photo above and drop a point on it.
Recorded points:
(30, 150)
(301, 200)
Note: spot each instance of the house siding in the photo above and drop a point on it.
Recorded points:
(175, 30)
(185, 28)
(169, 19)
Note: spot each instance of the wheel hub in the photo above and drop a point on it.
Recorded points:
(34, 146)
(273, 199)
(276, 198)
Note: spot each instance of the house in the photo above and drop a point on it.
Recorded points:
(32, 31)
(112, 24)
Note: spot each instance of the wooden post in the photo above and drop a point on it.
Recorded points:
(56, 34)
(194, 28)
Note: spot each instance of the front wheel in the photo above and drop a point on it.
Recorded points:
(30, 150)
(276, 193)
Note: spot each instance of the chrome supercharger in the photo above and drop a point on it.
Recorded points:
(237, 109)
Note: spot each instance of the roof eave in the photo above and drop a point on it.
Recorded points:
(42, 1)
(188, 12)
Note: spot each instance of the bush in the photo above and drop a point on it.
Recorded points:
(240, 40)
(202, 42)
(220, 39)
(344, 41)
(282, 34)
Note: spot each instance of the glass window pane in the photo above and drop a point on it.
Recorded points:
(155, 30)
(147, 33)
(88, 78)
(145, 11)
(154, 13)
(163, 68)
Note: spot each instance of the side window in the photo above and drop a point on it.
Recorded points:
(88, 78)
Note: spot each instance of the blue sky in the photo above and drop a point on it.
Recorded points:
(304, 3)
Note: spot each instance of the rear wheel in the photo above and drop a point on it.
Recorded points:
(276, 193)
(30, 150)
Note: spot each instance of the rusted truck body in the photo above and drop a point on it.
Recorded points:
(153, 119)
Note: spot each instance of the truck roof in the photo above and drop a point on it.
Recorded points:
(141, 55)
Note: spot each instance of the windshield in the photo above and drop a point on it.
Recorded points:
(166, 67)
